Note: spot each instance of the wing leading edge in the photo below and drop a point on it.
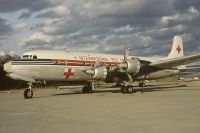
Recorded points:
(174, 62)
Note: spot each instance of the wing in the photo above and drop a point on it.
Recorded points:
(189, 69)
(193, 66)
(174, 62)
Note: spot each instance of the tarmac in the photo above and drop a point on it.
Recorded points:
(161, 108)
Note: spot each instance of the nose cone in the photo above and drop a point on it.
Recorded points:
(8, 67)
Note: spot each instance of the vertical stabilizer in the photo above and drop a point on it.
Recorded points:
(177, 48)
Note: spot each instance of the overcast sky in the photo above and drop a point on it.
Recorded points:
(108, 26)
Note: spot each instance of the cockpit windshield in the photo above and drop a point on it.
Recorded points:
(25, 56)
(34, 57)
(29, 57)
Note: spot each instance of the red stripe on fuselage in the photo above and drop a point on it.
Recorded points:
(81, 62)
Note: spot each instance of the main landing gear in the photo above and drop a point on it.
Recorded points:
(28, 93)
(127, 89)
(88, 88)
(141, 84)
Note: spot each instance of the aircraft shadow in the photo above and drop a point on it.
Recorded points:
(149, 88)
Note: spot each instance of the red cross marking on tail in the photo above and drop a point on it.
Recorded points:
(68, 73)
(178, 49)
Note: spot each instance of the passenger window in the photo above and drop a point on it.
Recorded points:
(34, 57)
(25, 56)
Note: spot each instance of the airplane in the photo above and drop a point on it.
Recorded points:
(84, 67)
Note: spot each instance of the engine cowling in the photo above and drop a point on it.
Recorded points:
(132, 66)
(98, 73)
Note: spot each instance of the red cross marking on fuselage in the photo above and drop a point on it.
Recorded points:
(68, 73)
(178, 49)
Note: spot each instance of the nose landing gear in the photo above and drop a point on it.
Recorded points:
(28, 93)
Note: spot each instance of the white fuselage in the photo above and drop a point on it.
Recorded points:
(69, 66)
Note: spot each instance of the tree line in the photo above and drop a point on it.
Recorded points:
(6, 82)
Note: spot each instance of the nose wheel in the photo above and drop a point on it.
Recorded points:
(28, 93)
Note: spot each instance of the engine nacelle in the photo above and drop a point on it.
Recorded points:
(98, 73)
(132, 66)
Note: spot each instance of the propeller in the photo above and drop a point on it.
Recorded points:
(91, 71)
(97, 64)
(124, 64)
(126, 53)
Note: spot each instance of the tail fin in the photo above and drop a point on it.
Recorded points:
(177, 48)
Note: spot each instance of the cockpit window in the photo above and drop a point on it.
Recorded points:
(25, 56)
(29, 57)
(34, 57)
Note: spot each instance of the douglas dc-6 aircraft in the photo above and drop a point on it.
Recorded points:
(51, 65)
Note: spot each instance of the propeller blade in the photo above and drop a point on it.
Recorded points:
(126, 53)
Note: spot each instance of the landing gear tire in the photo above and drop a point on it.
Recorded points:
(129, 89)
(84, 89)
(28, 94)
(123, 89)
(87, 89)
(141, 84)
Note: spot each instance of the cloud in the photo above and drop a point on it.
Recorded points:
(112, 26)
(25, 14)
(147, 26)
(32, 5)
(39, 40)
(183, 5)
(109, 25)
(5, 28)
(93, 17)
(124, 29)
(20, 26)
(125, 8)
(56, 12)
